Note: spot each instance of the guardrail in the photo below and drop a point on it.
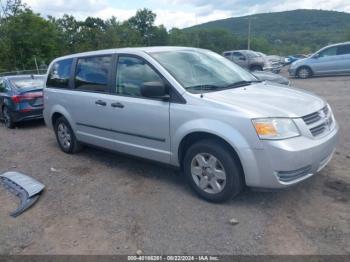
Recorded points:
(24, 72)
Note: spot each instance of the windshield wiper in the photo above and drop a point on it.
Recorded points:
(242, 83)
(204, 87)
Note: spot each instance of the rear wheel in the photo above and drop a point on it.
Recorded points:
(213, 171)
(7, 118)
(304, 73)
(65, 136)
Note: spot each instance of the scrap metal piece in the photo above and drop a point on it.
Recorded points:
(25, 187)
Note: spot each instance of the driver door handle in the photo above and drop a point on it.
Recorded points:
(117, 104)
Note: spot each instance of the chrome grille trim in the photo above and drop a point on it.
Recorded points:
(315, 131)
(319, 122)
(312, 118)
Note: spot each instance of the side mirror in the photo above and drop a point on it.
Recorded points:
(155, 90)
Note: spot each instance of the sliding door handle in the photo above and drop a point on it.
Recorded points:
(100, 102)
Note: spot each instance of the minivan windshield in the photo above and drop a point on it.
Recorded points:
(200, 70)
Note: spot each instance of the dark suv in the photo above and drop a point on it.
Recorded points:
(21, 98)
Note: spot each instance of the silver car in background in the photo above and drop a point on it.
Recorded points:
(193, 109)
(330, 60)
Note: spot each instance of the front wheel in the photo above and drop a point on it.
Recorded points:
(65, 137)
(304, 73)
(256, 68)
(213, 171)
(7, 118)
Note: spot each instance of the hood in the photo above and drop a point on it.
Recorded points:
(299, 61)
(268, 100)
(268, 76)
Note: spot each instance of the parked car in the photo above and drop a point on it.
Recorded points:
(246, 59)
(292, 58)
(271, 77)
(330, 60)
(193, 109)
(273, 63)
(21, 98)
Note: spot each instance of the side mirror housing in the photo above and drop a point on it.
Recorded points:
(155, 90)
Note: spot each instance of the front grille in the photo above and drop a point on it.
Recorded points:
(315, 131)
(319, 122)
(288, 176)
(312, 118)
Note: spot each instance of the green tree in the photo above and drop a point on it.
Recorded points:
(143, 22)
(25, 36)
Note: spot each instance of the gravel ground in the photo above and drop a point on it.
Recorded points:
(98, 202)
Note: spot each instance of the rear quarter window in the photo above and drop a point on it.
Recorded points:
(59, 74)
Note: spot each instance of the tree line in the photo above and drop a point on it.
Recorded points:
(27, 38)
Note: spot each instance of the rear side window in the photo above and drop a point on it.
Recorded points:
(59, 74)
(329, 52)
(344, 50)
(91, 73)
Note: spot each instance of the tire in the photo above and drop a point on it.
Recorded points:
(65, 136)
(7, 118)
(256, 68)
(202, 171)
(304, 72)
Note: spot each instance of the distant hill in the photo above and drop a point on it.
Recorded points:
(312, 28)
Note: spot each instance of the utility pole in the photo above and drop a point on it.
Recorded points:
(36, 64)
(249, 29)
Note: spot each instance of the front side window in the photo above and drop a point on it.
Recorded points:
(329, 52)
(132, 73)
(91, 73)
(227, 55)
(59, 74)
(202, 70)
(237, 55)
(344, 50)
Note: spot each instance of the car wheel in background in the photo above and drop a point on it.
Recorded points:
(7, 118)
(213, 171)
(65, 136)
(256, 68)
(304, 72)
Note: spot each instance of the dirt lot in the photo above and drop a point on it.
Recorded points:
(98, 202)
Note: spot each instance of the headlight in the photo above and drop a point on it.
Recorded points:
(275, 128)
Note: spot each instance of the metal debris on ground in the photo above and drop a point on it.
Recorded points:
(25, 187)
(233, 221)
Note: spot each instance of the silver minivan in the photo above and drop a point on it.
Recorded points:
(193, 109)
(330, 60)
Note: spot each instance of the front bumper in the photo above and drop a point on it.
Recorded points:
(292, 71)
(283, 163)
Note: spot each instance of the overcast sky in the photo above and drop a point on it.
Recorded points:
(179, 13)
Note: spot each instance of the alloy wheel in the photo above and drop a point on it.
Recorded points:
(304, 73)
(64, 136)
(208, 173)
